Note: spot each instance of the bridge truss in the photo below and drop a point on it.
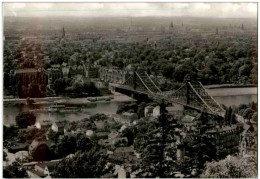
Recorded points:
(191, 94)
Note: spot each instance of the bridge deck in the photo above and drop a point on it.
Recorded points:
(166, 98)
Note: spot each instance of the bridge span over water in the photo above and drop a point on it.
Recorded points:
(190, 94)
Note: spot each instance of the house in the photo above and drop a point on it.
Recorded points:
(89, 133)
(46, 167)
(156, 111)
(176, 110)
(124, 151)
(148, 111)
(102, 135)
(113, 135)
(130, 116)
(42, 170)
(58, 127)
(121, 119)
(122, 141)
(248, 141)
(67, 128)
(100, 125)
(120, 172)
(123, 128)
(188, 121)
(43, 124)
(65, 69)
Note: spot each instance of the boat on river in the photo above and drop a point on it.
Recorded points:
(57, 108)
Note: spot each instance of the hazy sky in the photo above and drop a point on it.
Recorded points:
(132, 9)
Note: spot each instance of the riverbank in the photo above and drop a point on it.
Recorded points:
(66, 100)
(229, 86)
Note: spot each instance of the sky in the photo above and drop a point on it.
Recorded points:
(221, 10)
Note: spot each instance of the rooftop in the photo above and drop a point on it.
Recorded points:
(187, 119)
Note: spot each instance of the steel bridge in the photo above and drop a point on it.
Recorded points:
(190, 94)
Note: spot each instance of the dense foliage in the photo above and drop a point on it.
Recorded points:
(25, 119)
(214, 61)
(89, 164)
(231, 167)
(158, 147)
(248, 111)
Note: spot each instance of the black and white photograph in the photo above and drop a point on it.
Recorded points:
(130, 89)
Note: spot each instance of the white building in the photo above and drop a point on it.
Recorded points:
(156, 111)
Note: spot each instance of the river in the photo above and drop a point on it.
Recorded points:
(226, 96)
(234, 96)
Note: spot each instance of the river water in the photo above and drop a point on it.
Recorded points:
(226, 96)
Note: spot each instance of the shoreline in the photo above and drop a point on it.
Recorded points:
(67, 100)
(229, 86)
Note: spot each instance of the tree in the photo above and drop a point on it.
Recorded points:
(83, 143)
(199, 147)
(52, 135)
(159, 149)
(10, 132)
(231, 167)
(60, 85)
(230, 117)
(167, 70)
(248, 113)
(128, 132)
(90, 164)
(5, 156)
(25, 119)
(34, 91)
(140, 110)
(32, 134)
(65, 146)
(241, 108)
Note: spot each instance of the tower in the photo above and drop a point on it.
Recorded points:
(131, 23)
(171, 25)
(63, 32)
(216, 31)
(242, 27)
